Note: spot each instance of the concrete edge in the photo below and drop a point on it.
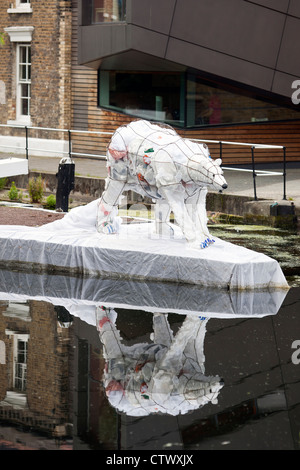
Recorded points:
(261, 212)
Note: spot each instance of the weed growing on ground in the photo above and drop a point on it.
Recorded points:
(51, 202)
(36, 188)
(3, 182)
(13, 193)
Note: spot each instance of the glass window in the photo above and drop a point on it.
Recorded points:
(2, 352)
(20, 353)
(211, 105)
(24, 80)
(154, 96)
(103, 11)
(23, 3)
(21, 365)
(183, 100)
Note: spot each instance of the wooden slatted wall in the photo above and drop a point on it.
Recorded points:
(285, 134)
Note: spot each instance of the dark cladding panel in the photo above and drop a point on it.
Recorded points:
(288, 60)
(234, 27)
(155, 14)
(97, 42)
(134, 60)
(253, 42)
(279, 5)
(147, 41)
(294, 8)
(282, 84)
(220, 64)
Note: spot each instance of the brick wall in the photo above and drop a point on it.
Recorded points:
(51, 63)
(6, 76)
(47, 384)
(47, 366)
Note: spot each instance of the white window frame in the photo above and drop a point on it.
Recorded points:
(20, 7)
(2, 352)
(23, 365)
(24, 338)
(23, 81)
(20, 35)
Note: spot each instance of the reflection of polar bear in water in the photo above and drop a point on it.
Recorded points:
(166, 376)
(153, 160)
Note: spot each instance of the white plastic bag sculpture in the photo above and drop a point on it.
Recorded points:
(153, 160)
(166, 376)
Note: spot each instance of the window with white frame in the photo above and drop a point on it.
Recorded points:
(20, 362)
(21, 37)
(23, 81)
(20, 6)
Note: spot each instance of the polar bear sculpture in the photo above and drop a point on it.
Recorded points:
(153, 160)
(163, 376)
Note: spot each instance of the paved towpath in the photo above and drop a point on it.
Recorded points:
(239, 182)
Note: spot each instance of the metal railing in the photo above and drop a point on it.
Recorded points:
(254, 171)
(71, 154)
(69, 133)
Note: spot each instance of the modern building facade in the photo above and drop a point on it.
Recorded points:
(212, 69)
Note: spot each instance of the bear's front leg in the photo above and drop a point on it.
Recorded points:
(196, 207)
(107, 208)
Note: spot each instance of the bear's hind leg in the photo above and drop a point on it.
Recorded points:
(162, 219)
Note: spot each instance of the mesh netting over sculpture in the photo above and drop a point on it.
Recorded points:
(154, 161)
(166, 375)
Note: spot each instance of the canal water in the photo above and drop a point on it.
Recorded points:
(99, 364)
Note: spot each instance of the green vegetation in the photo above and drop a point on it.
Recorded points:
(36, 188)
(3, 182)
(14, 194)
(51, 202)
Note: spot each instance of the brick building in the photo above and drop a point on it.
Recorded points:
(35, 77)
(34, 367)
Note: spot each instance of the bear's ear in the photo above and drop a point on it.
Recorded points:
(218, 161)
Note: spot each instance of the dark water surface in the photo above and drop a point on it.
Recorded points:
(94, 364)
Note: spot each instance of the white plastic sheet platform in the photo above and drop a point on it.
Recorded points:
(81, 295)
(13, 166)
(73, 245)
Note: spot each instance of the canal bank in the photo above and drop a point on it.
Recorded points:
(273, 202)
(257, 407)
(226, 208)
(235, 217)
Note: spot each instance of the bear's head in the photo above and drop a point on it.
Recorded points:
(206, 171)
